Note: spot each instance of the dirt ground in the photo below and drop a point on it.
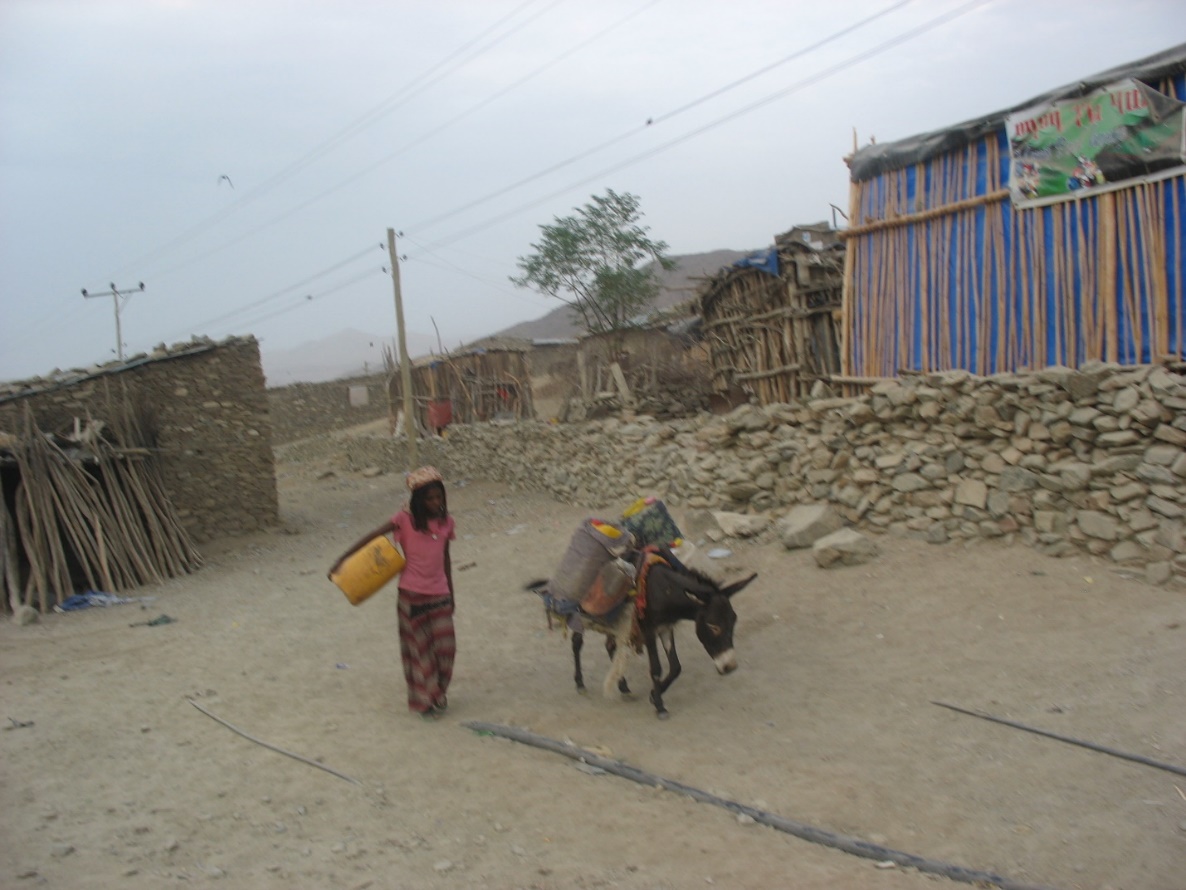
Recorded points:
(109, 776)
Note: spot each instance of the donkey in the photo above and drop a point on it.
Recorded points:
(671, 594)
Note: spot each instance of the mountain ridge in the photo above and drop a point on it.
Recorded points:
(351, 353)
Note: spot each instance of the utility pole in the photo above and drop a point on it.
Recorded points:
(115, 295)
(405, 361)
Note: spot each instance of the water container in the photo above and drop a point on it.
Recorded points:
(368, 569)
(650, 523)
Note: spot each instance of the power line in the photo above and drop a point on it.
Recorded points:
(808, 81)
(424, 137)
(453, 267)
(773, 97)
(405, 93)
(309, 298)
(831, 38)
(278, 293)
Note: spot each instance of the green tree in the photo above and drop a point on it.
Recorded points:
(600, 261)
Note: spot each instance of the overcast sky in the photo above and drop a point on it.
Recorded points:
(243, 159)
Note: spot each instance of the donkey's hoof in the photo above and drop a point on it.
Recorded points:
(623, 687)
(581, 690)
(662, 715)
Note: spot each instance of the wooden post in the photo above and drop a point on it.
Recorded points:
(405, 361)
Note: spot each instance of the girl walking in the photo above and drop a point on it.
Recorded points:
(423, 530)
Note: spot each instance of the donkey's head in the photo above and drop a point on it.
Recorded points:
(715, 619)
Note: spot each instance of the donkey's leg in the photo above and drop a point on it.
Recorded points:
(611, 648)
(656, 675)
(578, 640)
(667, 638)
(618, 642)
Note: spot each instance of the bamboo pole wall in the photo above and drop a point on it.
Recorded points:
(942, 272)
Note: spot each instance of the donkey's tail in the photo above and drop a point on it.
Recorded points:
(536, 586)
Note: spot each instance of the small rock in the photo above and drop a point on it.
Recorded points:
(60, 851)
(372, 472)
(25, 615)
(887, 863)
(442, 866)
(846, 547)
(745, 819)
(172, 846)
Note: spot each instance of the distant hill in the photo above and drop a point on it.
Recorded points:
(351, 352)
(676, 286)
(347, 353)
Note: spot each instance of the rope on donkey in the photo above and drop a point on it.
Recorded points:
(844, 843)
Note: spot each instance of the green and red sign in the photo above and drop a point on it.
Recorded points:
(1074, 147)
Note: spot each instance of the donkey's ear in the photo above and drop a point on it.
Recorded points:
(697, 597)
(738, 586)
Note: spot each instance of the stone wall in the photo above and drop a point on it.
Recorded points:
(306, 409)
(1065, 461)
(208, 412)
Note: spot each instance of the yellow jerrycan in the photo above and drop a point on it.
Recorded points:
(368, 569)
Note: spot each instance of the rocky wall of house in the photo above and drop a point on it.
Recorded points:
(208, 414)
(307, 409)
(1092, 460)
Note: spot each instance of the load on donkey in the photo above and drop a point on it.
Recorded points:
(623, 580)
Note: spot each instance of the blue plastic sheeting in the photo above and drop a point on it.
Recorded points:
(1007, 296)
(764, 261)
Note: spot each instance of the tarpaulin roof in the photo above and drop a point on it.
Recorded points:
(874, 160)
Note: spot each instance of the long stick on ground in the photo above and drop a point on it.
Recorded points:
(271, 747)
(845, 843)
(1135, 758)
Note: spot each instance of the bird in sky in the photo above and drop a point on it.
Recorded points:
(228, 180)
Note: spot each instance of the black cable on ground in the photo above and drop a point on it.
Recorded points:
(1092, 746)
(845, 843)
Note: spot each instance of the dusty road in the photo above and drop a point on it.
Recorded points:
(117, 780)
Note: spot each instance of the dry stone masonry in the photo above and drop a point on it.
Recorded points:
(300, 410)
(207, 405)
(1065, 460)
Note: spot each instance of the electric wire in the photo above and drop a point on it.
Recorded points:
(453, 267)
(555, 167)
(310, 298)
(424, 137)
(810, 80)
(698, 131)
(633, 131)
(277, 293)
(405, 93)
(827, 72)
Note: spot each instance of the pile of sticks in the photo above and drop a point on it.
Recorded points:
(94, 514)
(775, 336)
